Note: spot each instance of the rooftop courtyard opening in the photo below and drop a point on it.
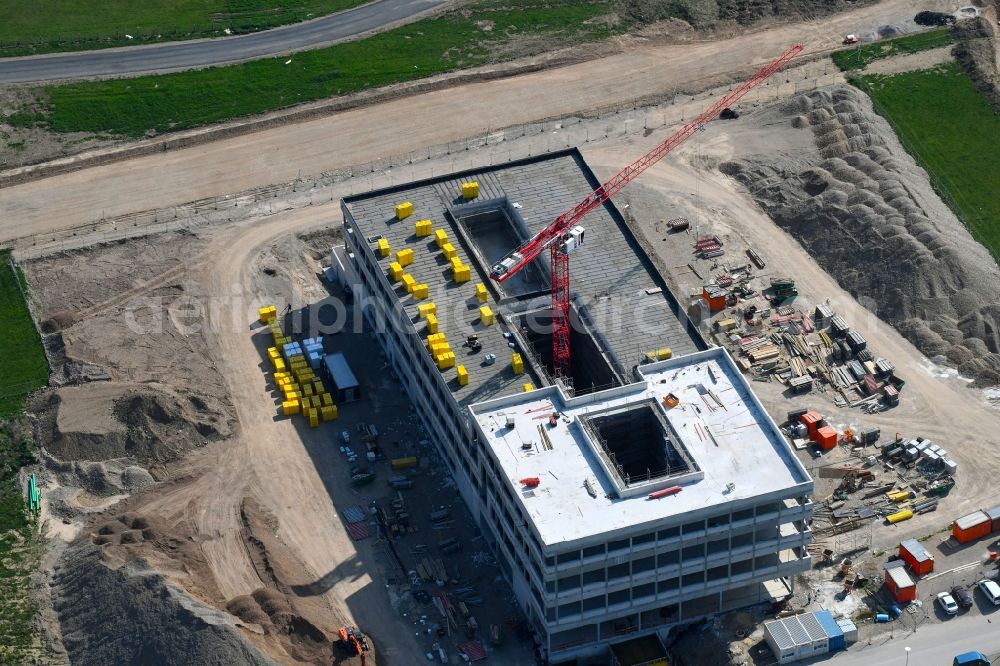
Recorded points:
(495, 232)
(639, 443)
(590, 367)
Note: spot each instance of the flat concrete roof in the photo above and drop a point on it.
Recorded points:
(718, 421)
(613, 280)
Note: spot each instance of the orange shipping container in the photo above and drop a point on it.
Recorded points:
(916, 557)
(971, 527)
(900, 585)
(811, 421)
(826, 437)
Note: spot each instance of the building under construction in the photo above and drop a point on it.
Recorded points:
(647, 489)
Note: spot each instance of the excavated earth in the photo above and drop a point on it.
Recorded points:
(864, 209)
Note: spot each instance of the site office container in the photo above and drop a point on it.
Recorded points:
(971, 527)
(918, 558)
(900, 585)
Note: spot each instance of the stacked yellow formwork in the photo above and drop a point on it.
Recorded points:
(470, 190)
(486, 315)
(423, 228)
(404, 257)
(517, 363)
(440, 237)
(481, 294)
(267, 314)
(404, 210)
(383, 248)
(302, 391)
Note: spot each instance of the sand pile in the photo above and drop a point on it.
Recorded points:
(130, 615)
(866, 211)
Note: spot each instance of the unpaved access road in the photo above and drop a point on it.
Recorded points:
(411, 123)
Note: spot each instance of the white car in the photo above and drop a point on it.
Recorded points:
(991, 591)
(345, 436)
(947, 603)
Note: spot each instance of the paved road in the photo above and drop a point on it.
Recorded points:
(204, 52)
(933, 645)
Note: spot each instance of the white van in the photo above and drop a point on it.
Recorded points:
(991, 591)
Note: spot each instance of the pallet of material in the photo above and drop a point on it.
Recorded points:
(764, 354)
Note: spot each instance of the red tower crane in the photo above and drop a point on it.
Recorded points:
(564, 234)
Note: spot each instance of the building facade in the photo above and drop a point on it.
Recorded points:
(591, 559)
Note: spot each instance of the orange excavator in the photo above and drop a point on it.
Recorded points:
(352, 638)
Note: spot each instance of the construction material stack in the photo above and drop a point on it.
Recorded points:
(302, 389)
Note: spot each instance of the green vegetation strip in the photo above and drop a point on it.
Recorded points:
(23, 368)
(858, 57)
(953, 132)
(20, 552)
(486, 31)
(45, 26)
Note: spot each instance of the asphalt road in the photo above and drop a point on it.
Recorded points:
(933, 645)
(173, 56)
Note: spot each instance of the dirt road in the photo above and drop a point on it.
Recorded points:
(407, 124)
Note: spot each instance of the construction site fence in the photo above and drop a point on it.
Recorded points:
(491, 147)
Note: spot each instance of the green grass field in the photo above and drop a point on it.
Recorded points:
(858, 57)
(23, 368)
(44, 26)
(486, 31)
(953, 132)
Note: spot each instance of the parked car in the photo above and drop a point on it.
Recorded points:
(991, 591)
(947, 603)
(345, 436)
(973, 658)
(962, 596)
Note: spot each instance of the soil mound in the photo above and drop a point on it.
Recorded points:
(148, 424)
(867, 212)
(130, 615)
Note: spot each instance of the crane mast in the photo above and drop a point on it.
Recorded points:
(564, 234)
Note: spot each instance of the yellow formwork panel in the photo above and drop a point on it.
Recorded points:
(462, 274)
(420, 291)
(404, 210)
(449, 250)
(383, 247)
(455, 262)
(273, 352)
(328, 412)
(395, 271)
(517, 363)
(463, 375)
(307, 389)
(289, 407)
(408, 283)
(481, 293)
(440, 348)
(486, 315)
(313, 419)
(470, 190)
(527, 387)
(279, 364)
(446, 360)
(440, 237)
(405, 257)
(425, 309)
(423, 228)
(327, 399)
(432, 324)
(267, 314)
